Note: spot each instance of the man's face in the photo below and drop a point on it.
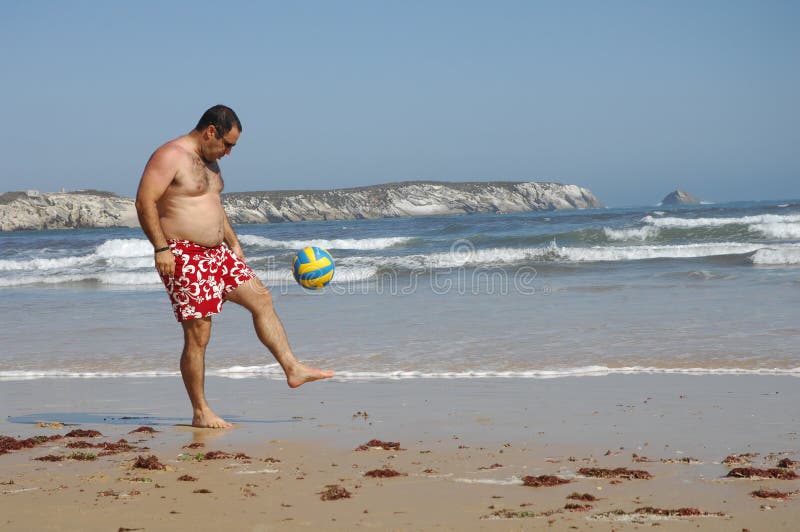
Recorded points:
(217, 146)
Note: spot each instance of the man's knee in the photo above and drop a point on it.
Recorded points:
(197, 332)
(264, 300)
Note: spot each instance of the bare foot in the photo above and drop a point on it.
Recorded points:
(302, 374)
(209, 420)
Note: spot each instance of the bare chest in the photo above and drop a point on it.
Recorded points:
(198, 178)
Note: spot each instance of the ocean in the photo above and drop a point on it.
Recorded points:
(709, 289)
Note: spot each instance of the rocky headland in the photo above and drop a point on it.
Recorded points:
(92, 208)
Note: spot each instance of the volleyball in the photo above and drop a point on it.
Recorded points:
(313, 267)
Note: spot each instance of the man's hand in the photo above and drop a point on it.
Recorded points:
(165, 263)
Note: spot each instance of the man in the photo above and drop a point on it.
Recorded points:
(198, 255)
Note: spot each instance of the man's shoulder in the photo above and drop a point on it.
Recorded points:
(174, 150)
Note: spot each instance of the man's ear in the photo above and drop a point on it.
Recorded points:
(210, 132)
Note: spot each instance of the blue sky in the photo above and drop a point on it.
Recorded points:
(630, 99)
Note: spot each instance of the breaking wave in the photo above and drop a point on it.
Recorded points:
(274, 371)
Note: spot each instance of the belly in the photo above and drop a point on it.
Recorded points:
(198, 219)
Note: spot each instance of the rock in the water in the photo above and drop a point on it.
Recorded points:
(91, 208)
(679, 197)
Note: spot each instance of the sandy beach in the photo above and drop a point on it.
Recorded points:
(615, 452)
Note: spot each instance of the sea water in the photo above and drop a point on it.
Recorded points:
(705, 289)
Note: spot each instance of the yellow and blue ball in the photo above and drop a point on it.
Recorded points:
(313, 267)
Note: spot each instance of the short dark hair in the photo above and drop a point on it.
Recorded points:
(222, 117)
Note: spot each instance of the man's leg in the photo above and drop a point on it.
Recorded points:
(255, 297)
(196, 334)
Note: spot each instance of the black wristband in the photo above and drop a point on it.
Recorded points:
(159, 250)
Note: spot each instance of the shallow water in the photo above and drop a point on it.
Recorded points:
(708, 289)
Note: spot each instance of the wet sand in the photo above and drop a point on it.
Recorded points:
(466, 448)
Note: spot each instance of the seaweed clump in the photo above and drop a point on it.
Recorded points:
(771, 494)
(222, 455)
(738, 459)
(572, 507)
(575, 496)
(9, 444)
(81, 433)
(187, 478)
(383, 473)
(670, 512)
(334, 492)
(385, 445)
(143, 429)
(619, 472)
(150, 462)
(787, 463)
(543, 481)
(83, 457)
(754, 472)
(50, 458)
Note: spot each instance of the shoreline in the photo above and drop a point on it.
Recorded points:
(467, 445)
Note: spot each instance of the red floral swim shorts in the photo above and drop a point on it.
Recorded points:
(203, 277)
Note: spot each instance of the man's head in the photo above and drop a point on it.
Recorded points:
(219, 130)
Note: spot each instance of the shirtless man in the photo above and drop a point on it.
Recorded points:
(198, 255)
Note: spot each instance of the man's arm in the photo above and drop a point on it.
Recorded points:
(157, 176)
(230, 238)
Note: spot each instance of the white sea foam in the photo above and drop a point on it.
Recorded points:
(786, 226)
(36, 264)
(513, 481)
(342, 274)
(776, 256)
(274, 371)
(341, 243)
(634, 233)
(504, 256)
(125, 247)
(625, 253)
(131, 279)
(778, 230)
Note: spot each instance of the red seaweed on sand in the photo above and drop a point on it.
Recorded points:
(772, 494)
(9, 444)
(572, 507)
(143, 429)
(81, 433)
(575, 496)
(50, 458)
(543, 481)
(334, 492)
(222, 455)
(150, 462)
(383, 473)
(754, 472)
(378, 444)
(619, 472)
(677, 512)
(738, 459)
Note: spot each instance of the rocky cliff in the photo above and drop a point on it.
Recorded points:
(405, 199)
(91, 208)
(59, 210)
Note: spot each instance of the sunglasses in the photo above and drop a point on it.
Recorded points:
(228, 145)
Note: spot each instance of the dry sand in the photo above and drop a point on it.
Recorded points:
(465, 449)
